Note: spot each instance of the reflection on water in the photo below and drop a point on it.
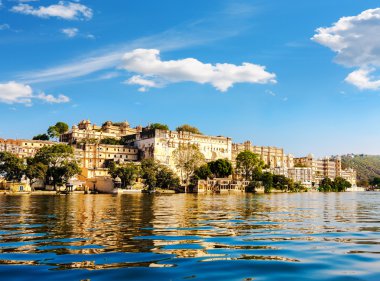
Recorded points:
(310, 236)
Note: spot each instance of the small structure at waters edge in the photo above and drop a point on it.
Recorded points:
(219, 185)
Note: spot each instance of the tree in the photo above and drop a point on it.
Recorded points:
(166, 178)
(61, 163)
(267, 180)
(188, 128)
(44, 137)
(247, 163)
(127, 173)
(111, 141)
(326, 185)
(159, 126)
(187, 159)
(221, 168)
(149, 169)
(58, 129)
(340, 184)
(375, 181)
(12, 168)
(35, 170)
(203, 172)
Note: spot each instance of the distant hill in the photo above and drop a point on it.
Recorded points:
(367, 166)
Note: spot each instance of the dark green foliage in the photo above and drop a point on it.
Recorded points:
(267, 180)
(44, 137)
(221, 168)
(188, 128)
(155, 175)
(338, 185)
(375, 182)
(61, 163)
(58, 129)
(159, 126)
(35, 170)
(128, 173)
(12, 168)
(111, 141)
(366, 166)
(203, 172)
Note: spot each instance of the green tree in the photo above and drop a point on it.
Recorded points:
(166, 178)
(326, 185)
(203, 172)
(44, 137)
(220, 168)
(187, 159)
(267, 180)
(12, 168)
(35, 170)
(375, 181)
(58, 129)
(149, 170)
(61, 163)
(247, 163)
(340, 184)
(188, 128)
(128, 173)
(159, 126)
(111, 141)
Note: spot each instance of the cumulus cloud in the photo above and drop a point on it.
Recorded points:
(13, 92)
(70, 32)
(222, 76)
(356, 42)
(64, 10)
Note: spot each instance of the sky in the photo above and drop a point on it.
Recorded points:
(302, 75)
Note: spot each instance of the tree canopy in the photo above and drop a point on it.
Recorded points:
(112, 141)
(155, 175)
(248, 163)
(338, 185)
(188, 128)
(128, 173)
(12, 168)
(187, 159)
(159, 126)
(220, 168)
(58, 129)
(44, 137)
(61, 163)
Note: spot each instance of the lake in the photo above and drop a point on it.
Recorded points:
(300, 236)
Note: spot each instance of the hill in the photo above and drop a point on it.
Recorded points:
(367, 166)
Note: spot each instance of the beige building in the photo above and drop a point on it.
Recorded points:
(160, 144)
(328, 167)
(85, 130)
(273, 157)
(303, 175)
(23, 148)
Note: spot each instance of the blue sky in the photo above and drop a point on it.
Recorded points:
(302, 75)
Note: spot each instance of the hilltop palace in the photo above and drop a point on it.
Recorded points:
(143, 143)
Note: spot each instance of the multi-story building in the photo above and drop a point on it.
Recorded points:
(93, 156)
(328, 167)
(160, 144)
(273, 157)
(23, 148)
(87, 131)
(303, 175)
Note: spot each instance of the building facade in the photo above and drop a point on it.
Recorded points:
(273, 157)
(160, 144)
(23, 148)
(86, 131)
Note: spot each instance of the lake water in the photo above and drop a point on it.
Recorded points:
(308, 236)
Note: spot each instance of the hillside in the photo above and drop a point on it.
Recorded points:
(367, 166)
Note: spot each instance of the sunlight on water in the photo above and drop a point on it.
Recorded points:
(310, 236)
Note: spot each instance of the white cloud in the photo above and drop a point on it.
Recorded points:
(362, 79)
(222, 76)
(145, 83)
(70, 32)
(65, 10)
(356, 42)
(4, 26)
(13, 92)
